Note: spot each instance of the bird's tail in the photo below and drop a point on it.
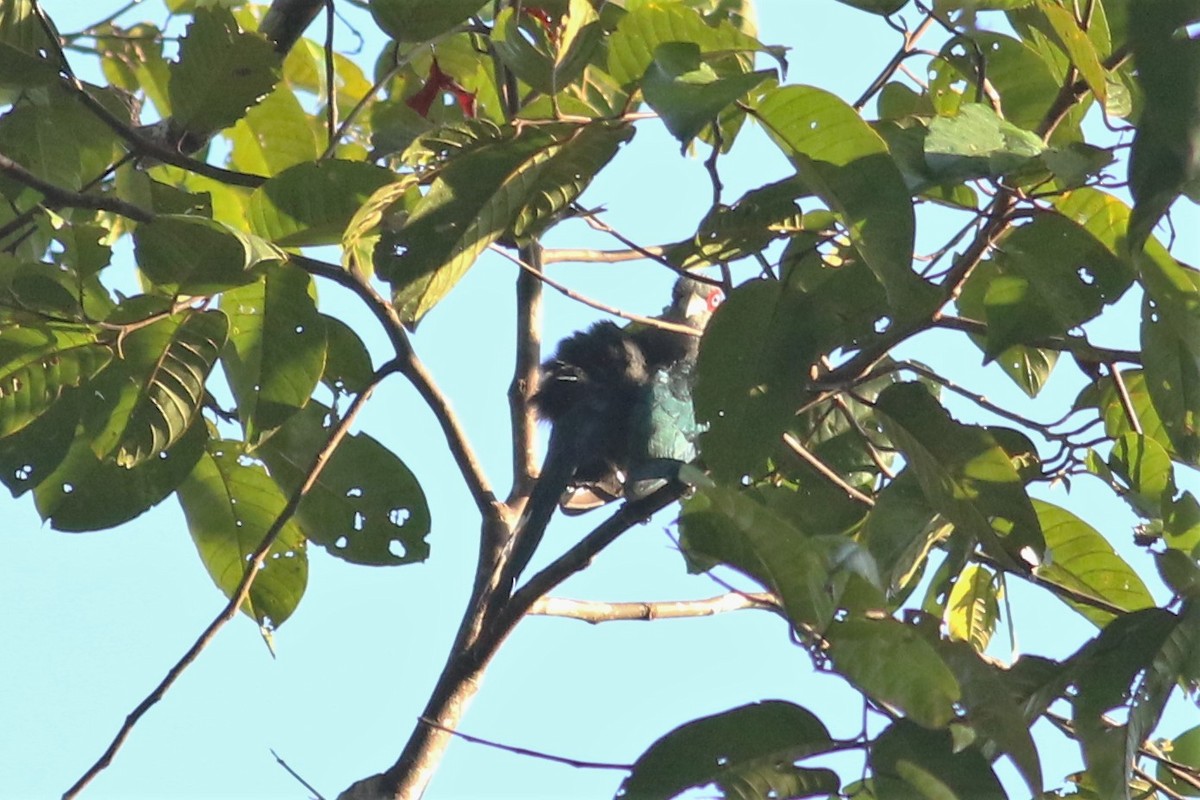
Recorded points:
(556, 474)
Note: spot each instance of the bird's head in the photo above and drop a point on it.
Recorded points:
(693, 302)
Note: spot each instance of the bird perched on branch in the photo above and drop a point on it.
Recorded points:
(620, 403)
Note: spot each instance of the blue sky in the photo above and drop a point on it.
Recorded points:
(91, 622)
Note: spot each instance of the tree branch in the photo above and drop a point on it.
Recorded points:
(58, 197)
(595, 612)
(415, 371)
(524, 751)
(242, 592)
(525, 373)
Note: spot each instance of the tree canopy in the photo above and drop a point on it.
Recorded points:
(181, 196)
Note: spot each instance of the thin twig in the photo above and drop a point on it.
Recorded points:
(596, 304)
(525, 751)
(586, 256)
(1126, 401)
(242, 591)
(825, 470)
(331, 120)
(296, 775)
(595, 611)
(525, 373)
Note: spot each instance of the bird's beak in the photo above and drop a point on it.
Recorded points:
(696, 306)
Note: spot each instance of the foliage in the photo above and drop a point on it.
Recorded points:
(885, 528)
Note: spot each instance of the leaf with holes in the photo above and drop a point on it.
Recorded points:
(277, 347)
(1081, 560)
(965, 475)
(847, 165)
(38, 363)
(230, 503)
(1051, 276)
(86, 493)
(149, 397)
(748, 396)
(366, 507)
(221, 72)
(748, 752)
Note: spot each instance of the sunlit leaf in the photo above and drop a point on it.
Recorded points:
(366, 507)
(221, 72)
(277, 351)
(847, 164)
(38, 363)
(1081, 560)
(973, 609)
(230, 503)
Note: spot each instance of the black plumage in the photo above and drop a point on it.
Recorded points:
(619, 400)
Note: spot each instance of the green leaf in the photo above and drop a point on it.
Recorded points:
(908, 761)
(548, 63)
(882, 7)
(366, 507)
(1104, 396)
(277, 348)
(632, 45)
(1015, 72)
(347, 362)
(1145, 467)
(311, 203)
(1183, 749)
(230, 503)
(1081, 560)
(687, 92)
(748, 396)
(1171, 359)
(31, 134)
(221, 72)
(1165, 160)
(194, 255)
(38, 363)
(808, 573)
(1052, 275)
(421, 20)
(847, 165)
(995, 706)
(86, 493)
(150, 395)
(894, 664)
(1179, 572)
(1075, 42)
(485, 189)
(973, 609)
(900, 531)
(965, 474)
(28, 456)
(748, 752)
(1107, 669)
(976, 142)
(275, 134)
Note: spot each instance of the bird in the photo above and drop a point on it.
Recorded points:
(619, 404)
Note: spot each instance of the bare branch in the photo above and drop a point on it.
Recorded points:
(413, 369)
(595, 612)
(585, 256)
(524, 751)
(525, 373)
